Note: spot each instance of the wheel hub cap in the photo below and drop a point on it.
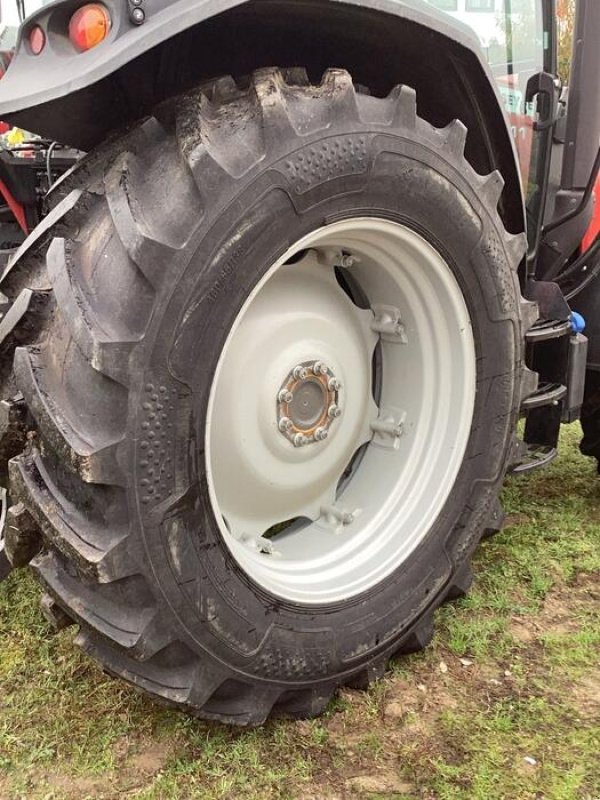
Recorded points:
(308, 403)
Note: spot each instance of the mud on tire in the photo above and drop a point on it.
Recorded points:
(185, 216)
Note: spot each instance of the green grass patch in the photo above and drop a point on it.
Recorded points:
(504, 704)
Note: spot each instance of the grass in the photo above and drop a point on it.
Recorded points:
(505, 703)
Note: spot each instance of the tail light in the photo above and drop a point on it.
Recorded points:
(37, 40)
(89, 26)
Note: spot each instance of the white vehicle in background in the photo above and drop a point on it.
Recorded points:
(482, 15)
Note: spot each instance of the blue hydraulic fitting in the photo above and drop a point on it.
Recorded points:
(577, 322)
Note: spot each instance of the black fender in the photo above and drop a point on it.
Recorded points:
(80, 98)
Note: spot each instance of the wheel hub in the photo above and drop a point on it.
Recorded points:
(308, 403)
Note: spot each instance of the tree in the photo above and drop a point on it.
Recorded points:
(565, 22)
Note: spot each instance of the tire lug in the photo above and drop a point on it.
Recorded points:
(285, 424)
(334, 411)
(300, 440)
(285, 396)
(334, 385)
(321, 434)
(300, 373)
(319, 368)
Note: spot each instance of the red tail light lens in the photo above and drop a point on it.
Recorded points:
(89, 26)
(37, 40)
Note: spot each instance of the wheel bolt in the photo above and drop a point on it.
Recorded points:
(319, 368)
(321, 434)
(299, 440)
(333, 385)
(285, 424)
(334, 411)
(300, 373)
(285, 396)
(347, 261)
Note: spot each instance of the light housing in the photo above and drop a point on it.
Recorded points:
(89, 26)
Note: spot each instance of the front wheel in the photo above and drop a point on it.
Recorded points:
(277, 395)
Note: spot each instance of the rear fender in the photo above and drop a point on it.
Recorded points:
(81, 98)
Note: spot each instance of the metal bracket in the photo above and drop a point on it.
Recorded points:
(388, 427)
(258, 543)
(336, 518)
(550, 299)
(388, 323)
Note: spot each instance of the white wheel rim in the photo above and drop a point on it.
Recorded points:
(349, 534)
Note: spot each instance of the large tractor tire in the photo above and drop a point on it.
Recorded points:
(270, 380)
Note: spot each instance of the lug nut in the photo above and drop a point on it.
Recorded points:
(334, 411)
(285, 424)
(321, 434)
(319, 368)
(300, 373)
(347, 261)
(333, 384)
(285, 396)
(299, 440)
(137, 16)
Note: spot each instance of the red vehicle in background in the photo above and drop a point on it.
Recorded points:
(594, 228)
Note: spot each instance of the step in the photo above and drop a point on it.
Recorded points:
(545, 329)
(546, 394)
(534, 457)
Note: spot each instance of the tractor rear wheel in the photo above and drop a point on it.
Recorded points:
(272, 391)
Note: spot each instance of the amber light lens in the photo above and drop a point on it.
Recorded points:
(89, 26)
(37, 40)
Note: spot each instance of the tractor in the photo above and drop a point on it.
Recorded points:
(325, 273)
